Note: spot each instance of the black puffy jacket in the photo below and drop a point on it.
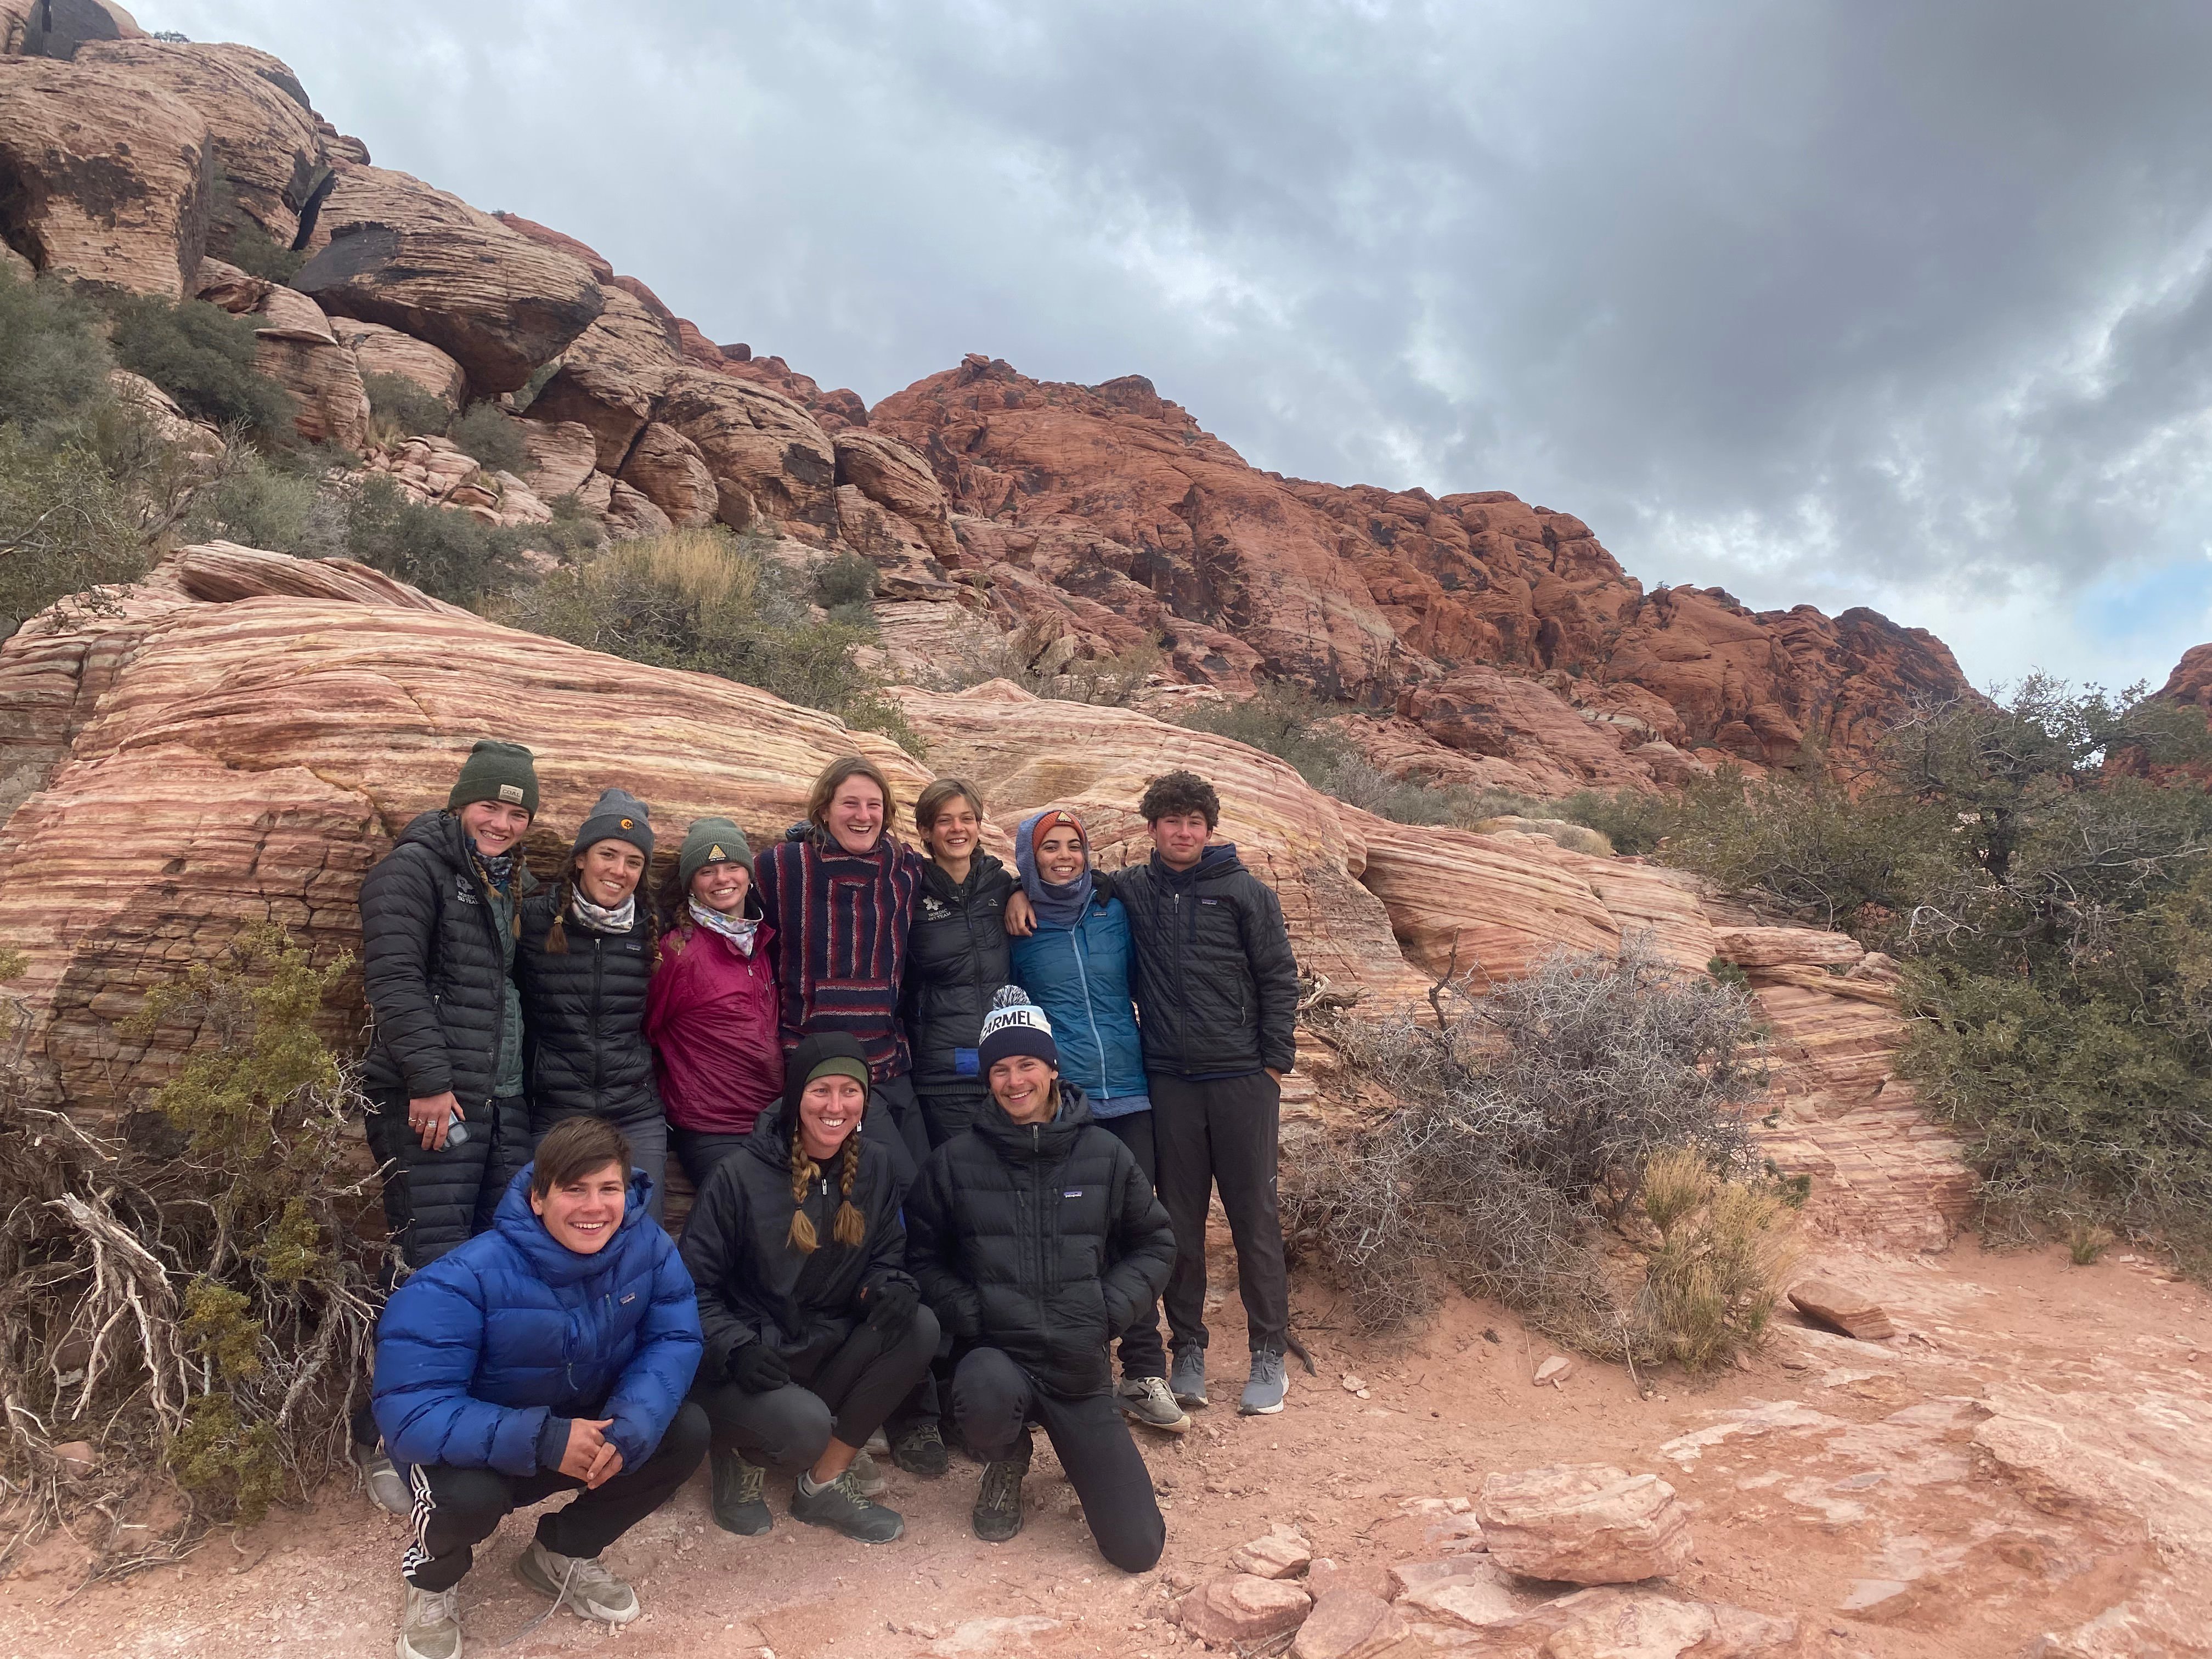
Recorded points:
(584, 1009)
(753, 1287)
(1217, 985)
(434, 964)
(955, 957)
(1043, 1240)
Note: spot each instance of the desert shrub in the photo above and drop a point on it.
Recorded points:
(844, 580)
(53, 360)
(1529, 1120)
(206, 1310)
(65, 527)
(1723, 1253)
(451, 555)
(396, 402)
(202, 356)
(537, 382)
(1359, 782)
(1284, 719)
(257, 505)
(1110, 681)
(1632, 821)
(714, 603)
(488, 433)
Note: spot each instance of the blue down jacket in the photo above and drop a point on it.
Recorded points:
(1080, 977)
(484, 1356)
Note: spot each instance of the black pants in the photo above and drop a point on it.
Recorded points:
(946, 1112)
(1142, 1353)
(844, 1394)
(455, 1510)
(647, 1134)
(700, 1150)
(1223, 1132)
(435, 1200)
(993, 1402)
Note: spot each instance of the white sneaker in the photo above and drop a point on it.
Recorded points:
(585, 1587)
(430, 1623)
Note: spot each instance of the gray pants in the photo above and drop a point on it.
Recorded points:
(1222, 1132)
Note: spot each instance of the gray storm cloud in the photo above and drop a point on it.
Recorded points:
(1858, 302)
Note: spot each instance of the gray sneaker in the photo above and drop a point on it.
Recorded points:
(430, 1623)
(840, 1505)
(387, 1488)
(737, 1487)
(1146, 1399)
(1186, 1376)
(586, 1587)
(1263, 1394)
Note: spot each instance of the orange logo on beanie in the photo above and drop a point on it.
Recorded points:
(628, 823)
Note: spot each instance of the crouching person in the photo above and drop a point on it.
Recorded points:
(550, 1354)
(814, 1329)
(1037, 1240)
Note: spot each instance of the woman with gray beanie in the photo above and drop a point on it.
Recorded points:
(712, 1009)
(584, 965)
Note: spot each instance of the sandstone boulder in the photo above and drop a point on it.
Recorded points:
(1584, 1523)
(266, 745)
(628, 514)
(1281, 1552)
(1852, 1312)
(666, 467)
(264, 135)
(561, 459)
(296, 349)
(380, 350)
(611, 376)
(61, 28)
(111, 180)
(1349, 1624)
(1241, 1609)
(1774, 947)
(898, 480)
(766, 453)
(1485, 711)
(427, 263)
(1616, 1623)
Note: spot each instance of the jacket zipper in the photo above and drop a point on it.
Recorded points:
(1090, 1013)
(597, 986)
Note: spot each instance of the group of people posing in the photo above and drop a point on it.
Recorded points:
(954, 1132)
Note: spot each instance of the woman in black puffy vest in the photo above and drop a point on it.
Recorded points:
(585, 960)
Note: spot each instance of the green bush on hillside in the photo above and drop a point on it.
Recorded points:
(202, 356)
(449, 555)
(489, 433)
(53, 361)
(396, 401)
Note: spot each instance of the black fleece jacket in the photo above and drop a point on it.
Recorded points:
(435, 966)
(753, 1285)
(957, 955)
(1217, 985)
(1044, 1241)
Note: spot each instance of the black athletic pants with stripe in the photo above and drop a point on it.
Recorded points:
(455, 1509)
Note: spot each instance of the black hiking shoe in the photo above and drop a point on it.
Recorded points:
(740, 1506)
(999, 1505)
(840, 1506)
(920, 1450)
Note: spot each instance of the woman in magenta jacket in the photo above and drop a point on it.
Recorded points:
(711, 1011)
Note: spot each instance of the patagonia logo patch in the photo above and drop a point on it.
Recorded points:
(511, 793)
(1072, 1192)
(1208, 901)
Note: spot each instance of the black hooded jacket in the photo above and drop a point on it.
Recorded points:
(956, 958)
(435, 965)
(1042, 1240)
(753, 1285)
(1217, 985)
(585, 1011)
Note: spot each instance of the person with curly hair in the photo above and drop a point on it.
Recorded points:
(814, 1329)
(1217, 1004)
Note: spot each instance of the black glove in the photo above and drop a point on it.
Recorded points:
(891, 1305)
(757, 1367)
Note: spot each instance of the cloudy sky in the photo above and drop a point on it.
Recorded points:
(1866, 302)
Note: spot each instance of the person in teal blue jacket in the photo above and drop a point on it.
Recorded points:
(1075, 964)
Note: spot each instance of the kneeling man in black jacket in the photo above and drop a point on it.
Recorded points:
(1037, 1240)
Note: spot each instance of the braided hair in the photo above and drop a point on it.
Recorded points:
(556, 936)
(850, 1227)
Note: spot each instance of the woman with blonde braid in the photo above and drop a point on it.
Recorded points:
(814, 1329)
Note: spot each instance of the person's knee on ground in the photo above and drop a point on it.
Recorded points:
(1131, 1539)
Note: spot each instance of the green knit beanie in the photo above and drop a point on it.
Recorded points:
(496, 771)
(711, 840)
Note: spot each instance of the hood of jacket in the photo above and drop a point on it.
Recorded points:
(937, 881)
(439, 832)
(549, 1258)
(1025, 1143)
(1217, 861)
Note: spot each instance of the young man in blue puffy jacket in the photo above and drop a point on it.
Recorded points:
(552, 1353)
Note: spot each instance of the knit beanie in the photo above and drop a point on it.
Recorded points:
(1015, 1025)
(496, 771)
(1057, 817)
(826, 1054)
(711, 840)
(619, 815)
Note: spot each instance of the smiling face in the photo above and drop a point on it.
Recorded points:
(493, 825)
(829, 1109)
(1023, 1086)
(1180, 837)
(953, 835)
(1060, 856)
(607, 872)
(856, 814)
(722, 886)
(584, 1213)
